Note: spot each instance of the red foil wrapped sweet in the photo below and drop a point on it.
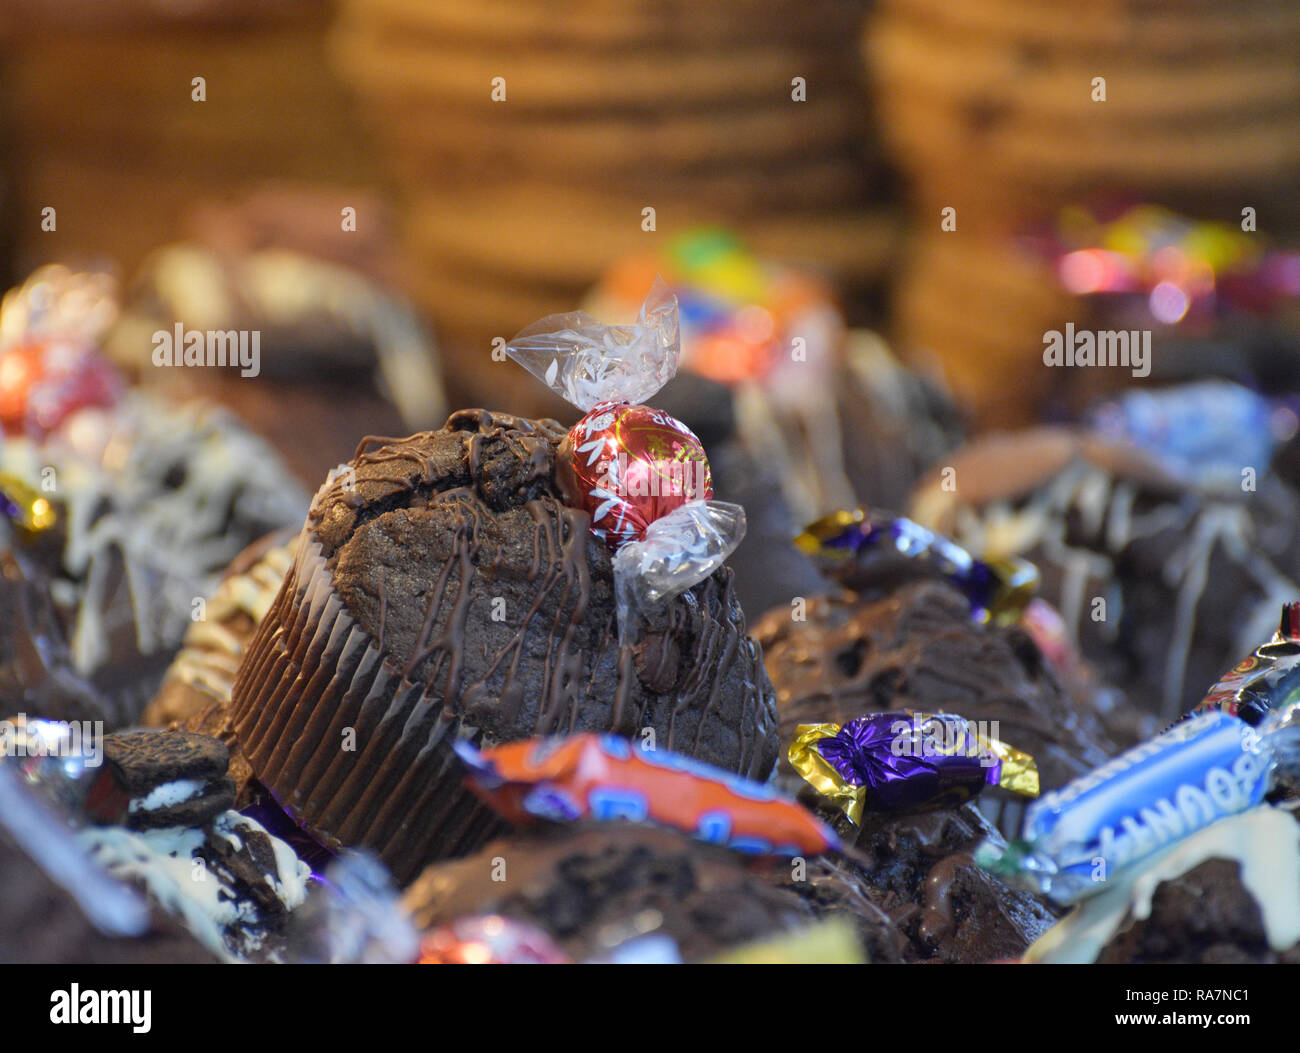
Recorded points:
(42, 383)
(489, 940)
(630, 465)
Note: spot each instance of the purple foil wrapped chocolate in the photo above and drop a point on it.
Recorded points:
(865, 550)
(899, 761)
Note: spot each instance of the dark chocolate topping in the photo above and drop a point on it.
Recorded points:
(455, 552)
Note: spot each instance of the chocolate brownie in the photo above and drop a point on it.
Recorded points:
(919, 871)
(918, 649)
(1205, 916)
(593, 886)
(1163, 586)
(59, 908)
(160, 813)
(466, 599)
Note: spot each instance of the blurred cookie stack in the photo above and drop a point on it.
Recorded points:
(1009, 110)
(529, 140)
(106, 129)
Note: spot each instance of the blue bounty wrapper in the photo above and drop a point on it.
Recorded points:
(1204, 768)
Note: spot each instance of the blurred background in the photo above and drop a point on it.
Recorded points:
(499, 156)
(873, 214)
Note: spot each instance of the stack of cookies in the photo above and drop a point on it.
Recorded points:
(106, 127)
(531, 140)
(1008, 110)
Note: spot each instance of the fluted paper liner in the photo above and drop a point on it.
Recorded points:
(310, 673)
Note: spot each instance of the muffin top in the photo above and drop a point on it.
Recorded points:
(454, 551)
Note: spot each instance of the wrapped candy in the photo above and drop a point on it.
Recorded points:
(1265, 679)
(489, 940)
(1207, 431)
(26, 507)
(870, 549)
(1205, 767)
(607, 778)
(641, 475)
(898, 761)
(50, 327)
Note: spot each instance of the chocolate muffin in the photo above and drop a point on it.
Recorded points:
(1162, 585)
(443, 590)
(917, 648)
(595, 886)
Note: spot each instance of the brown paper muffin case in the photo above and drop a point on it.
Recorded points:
(311, 673)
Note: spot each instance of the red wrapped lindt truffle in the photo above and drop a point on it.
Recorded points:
(641, 475)
(630, 465)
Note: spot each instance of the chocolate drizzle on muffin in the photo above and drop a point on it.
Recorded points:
(465, 599)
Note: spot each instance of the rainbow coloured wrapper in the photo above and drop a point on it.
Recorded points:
(641, 475)
(898, 761)
(607, 778)
(863, 549)
(1268, 678)
(1204, 768)
(1182, 267)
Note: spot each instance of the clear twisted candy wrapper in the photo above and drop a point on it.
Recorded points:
(678, 551)
(641, 475)
(586, 362)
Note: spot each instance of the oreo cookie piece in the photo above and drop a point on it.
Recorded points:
(156, 779)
